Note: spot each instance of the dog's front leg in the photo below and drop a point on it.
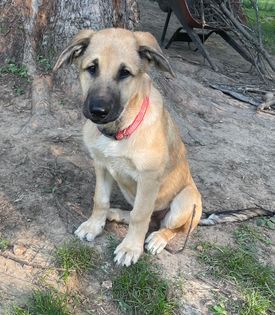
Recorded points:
(130, 249)
(95, 224)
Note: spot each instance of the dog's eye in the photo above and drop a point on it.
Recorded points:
(123, 74)
(92, 70)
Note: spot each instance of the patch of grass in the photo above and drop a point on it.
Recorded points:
(62, 103)
(75, 255)
(49, 190)
(240, 266)
(17, 310)
(267, 21)
(44, 63)
(218, 309)
(255, 304)
(112, 243)
(44, 302)
(247, 237)
(18, 90)
(247, 273)
(139, 289)
(266, 222)
(4, 244)
(15, 69)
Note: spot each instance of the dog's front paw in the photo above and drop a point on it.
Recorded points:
(89, 229)
(127, 253)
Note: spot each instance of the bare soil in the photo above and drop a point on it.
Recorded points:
(47, 178)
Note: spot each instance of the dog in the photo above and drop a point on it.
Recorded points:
(132, 140)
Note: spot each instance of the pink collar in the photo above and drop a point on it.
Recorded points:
(137, 121)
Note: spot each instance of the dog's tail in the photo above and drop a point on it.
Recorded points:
(234, 215)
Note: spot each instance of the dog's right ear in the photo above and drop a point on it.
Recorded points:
(76, 48)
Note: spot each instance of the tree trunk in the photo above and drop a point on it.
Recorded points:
(34, 32)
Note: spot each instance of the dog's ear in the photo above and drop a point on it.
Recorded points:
(148, 49)
(76, 48)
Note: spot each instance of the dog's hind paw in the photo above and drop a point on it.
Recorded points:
(127, 254)
(155, 242)
(89, 230)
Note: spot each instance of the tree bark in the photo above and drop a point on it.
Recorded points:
(35, 30)
(30, 29)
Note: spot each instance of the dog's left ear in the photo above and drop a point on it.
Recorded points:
(148, 48)
(75, 49)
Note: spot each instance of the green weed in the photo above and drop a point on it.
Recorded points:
(247, 237)
(255, 280)
(17, 310)
(44, 64)
(255, 303)
(15, 69)
(44, 302)
(18, 90)
(75, 256)
(267, 22)
(266, 222)
(218, 309)
(112, 243)
(4, 244)
(139, 289)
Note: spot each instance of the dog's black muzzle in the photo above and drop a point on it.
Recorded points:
(102, 109)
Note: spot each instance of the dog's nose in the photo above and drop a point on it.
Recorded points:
(100, 112)
(102, 109)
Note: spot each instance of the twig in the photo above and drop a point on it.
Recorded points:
(247, 35)
(266, 112)
(187, 235)
(27, 263)
(185, 59)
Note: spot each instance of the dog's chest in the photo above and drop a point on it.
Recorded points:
(114, 156)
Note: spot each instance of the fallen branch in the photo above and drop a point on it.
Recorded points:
(30, 264)
(266, 112)
(247, 35)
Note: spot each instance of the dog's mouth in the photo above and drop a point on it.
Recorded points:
(110, 129)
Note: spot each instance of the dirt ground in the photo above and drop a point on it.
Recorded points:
(47, 180)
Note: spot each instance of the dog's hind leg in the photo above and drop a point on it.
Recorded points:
(179, 218)
(118, 215)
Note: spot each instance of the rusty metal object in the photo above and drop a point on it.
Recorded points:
(201, 15)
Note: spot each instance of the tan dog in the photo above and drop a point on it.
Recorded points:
(132, 139)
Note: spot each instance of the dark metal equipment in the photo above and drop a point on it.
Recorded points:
(195, 14)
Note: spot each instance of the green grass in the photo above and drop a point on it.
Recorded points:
(17, 310)
(266, 222)
(255, 303)
(19, 90)
(75, 255)
(247, 237)
(44, 302)
(255, 280)
(264, 5)
(15, 69)
(44, 64)
(218, 309)
(112, 243)
(139, 289)
(267, 21)
(4, 244)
